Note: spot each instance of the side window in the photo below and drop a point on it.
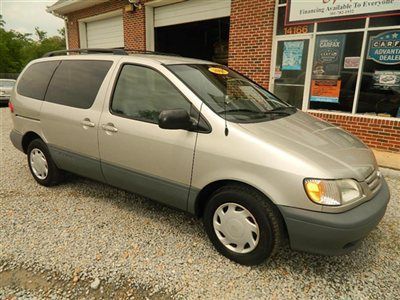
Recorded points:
(35, 80)
(142, 93)
(76, 82)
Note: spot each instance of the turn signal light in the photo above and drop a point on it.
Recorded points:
(325, 192)
(314, 190)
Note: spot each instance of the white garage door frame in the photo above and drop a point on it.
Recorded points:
(83, 23)
(172, 12)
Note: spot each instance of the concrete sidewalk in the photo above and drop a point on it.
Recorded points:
(388, 159)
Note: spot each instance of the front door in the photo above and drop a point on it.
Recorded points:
(136, 154)
(291, 70)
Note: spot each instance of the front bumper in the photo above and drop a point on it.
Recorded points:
(334, 234)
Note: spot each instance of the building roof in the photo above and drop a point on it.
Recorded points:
(63, 7)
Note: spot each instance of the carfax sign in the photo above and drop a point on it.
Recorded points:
(384, 48)
(308, 11)
(328, 55)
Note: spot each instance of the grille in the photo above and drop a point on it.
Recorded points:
(374, 181)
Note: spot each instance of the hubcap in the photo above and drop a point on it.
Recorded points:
(38, 164)
(236, 228)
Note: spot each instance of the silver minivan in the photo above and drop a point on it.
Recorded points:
(202, 138)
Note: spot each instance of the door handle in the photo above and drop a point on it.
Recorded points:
(109, 127)
(87, 123)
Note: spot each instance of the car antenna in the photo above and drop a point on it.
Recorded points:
(226, 122)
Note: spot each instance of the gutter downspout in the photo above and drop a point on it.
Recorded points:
(65, 25)
(66, 32)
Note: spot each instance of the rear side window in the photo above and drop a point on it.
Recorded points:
(76, 82)
(34, 81)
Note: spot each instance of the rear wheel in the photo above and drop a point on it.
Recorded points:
(41, 165)
(243, 224)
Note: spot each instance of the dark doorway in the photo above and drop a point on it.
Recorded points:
(207, 40)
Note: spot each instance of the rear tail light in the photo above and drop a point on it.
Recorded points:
(11, 106)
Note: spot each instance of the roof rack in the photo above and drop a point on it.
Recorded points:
(86, 51)
(106, 51)
(149, 52)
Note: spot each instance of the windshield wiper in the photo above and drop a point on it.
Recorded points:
(285, 109)
(240, 110)
(268, 112)
(276, 112)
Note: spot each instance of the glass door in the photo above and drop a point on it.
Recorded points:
(290, 71)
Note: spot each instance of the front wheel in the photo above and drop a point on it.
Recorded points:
(41, 165)
(243, 224)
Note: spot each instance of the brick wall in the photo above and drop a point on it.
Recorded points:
(250, 38)
(134, 23)
(380, 134)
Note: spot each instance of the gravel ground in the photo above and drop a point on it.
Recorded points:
(59, 240)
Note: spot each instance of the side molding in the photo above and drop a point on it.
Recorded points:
(158, 189)
(76, 163)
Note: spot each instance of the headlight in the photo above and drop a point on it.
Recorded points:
(332, 192)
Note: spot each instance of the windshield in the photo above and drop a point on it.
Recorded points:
(7, 83)
(231, 95)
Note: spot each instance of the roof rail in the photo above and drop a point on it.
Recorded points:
(150, 52)
(105, 50)
(86, 51)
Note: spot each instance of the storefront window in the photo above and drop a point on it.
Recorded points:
(336, 61)
(385, 21)
(341, 25)
(380, 85)
(335, 69)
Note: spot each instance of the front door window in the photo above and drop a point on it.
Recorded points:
(142, 93)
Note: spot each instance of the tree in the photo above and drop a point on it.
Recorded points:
(2, 22)
(61, 32)
(17, 49)
(41, 34)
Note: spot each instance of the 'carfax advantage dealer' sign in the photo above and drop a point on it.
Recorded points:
(308, 11)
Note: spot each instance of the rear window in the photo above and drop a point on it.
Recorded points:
(76, 82)
(34, 81)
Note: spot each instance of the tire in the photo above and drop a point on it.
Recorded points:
(37, 151)
(264, 215)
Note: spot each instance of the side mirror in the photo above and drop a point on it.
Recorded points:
(175, 119)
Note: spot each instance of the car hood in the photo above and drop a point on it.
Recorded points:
(330, 148)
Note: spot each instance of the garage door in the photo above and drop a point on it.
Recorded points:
(191, 11)
(106, 33)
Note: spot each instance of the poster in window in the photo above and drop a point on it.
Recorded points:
(352, 62)
(292, 55)
(387, 79)
(278, 72)
(384, 48)
(328, 55)
(325, 90)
